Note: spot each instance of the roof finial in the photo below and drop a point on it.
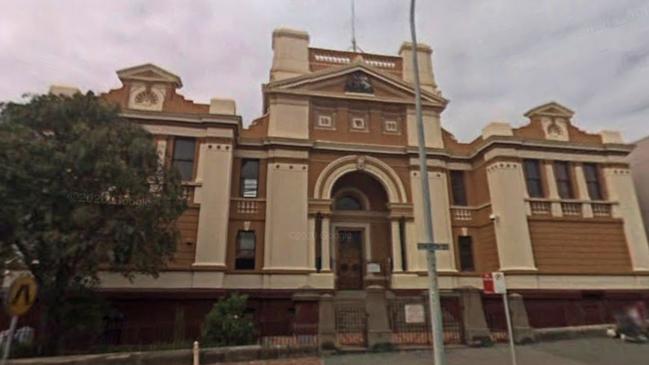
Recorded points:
(355, 47)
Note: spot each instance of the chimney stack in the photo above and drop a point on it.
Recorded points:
(426, 76)
(290, 54)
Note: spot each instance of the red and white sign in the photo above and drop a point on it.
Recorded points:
(494, 283)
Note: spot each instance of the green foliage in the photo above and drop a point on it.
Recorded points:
(227, 324)
(82, 189)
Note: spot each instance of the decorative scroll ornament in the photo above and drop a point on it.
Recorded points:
(360, 163)
(359, 82)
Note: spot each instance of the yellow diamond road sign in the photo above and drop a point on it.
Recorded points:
(21, 295)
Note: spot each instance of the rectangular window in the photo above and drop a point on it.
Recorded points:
(465, 246)
(532, 171)
(591, 174)
(563, 178)
(183, 157)
(249, 178)
(458, 188)
(245, 253)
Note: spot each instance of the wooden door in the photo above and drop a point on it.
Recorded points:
(349, 259)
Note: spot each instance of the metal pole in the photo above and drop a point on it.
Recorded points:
(509, 329)
(12, 330)
(433, 291)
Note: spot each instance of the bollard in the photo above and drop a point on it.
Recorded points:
(196, 351)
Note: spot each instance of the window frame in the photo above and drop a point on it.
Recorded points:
(242, 178)
(238, 251)
(566, 181)
(532, 182)
(461, 240)
(459, 195)
(173, 158)
(596, 181)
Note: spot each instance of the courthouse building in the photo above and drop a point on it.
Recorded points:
(320, 197)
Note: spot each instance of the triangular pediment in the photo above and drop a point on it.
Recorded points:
(551, 109)
(356, 80)
(149, 73)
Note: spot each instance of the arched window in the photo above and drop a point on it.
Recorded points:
(347, 202)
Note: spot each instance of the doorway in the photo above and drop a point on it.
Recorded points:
(349, 259)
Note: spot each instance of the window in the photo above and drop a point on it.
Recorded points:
(391, 126)
(564, 182)
(457, 187)
(358, 123)
(249, 178)
(348, 203)
(532, 170)
(183, 158)
(325, 121)
(245, 255)
(465, 246)
(591, 173)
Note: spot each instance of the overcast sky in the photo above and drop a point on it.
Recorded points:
(494, 59)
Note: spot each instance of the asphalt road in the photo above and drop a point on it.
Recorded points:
(593, 351)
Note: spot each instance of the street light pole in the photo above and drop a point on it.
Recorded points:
(433, 291)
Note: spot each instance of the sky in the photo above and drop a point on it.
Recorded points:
(494, 59)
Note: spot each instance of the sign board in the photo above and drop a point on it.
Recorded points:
(21, 295)
(373, 268)
(415, 313)
(494, 283)
(433, 246)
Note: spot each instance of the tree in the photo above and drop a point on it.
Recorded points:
(227, 324)
(83, 191)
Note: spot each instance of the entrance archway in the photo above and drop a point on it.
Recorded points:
(361, 231)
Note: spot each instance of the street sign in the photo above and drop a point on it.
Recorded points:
(494, 283)
(21, 295)
(432, 246)
(414, 313)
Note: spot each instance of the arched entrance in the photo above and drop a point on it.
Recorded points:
(360, 231)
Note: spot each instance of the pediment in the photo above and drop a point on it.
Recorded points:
(149, 73)
(551, 109)
(355, 81)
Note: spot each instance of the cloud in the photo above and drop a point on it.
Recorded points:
(493, 59)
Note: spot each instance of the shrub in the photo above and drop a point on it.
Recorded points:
(227, 324)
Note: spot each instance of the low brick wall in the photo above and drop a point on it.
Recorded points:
(174, 357)
(564, 333)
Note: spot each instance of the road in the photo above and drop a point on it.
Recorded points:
(594, 351)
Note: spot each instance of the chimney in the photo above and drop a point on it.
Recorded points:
(61, 90)
(290, 54)
(426, 76)
(223, 106)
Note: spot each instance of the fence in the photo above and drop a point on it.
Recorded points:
(410, 328)
(351, 324)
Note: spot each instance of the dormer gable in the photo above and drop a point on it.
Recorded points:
(149, 73)
(553, 121)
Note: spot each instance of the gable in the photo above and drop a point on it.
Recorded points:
(350, 81)
(149, 73)
(551, 109)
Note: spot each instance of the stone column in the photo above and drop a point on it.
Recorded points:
(326, 244)
(326, 322)
(397, 262)
(553, 192)
(586, 208)
(476, 330)
(378, 326)
(507, 191)
(311, 243)
(621, 190)
(523, 333)
(215, 205)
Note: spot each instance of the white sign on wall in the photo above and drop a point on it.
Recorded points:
(415, 313)
(373, 268)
